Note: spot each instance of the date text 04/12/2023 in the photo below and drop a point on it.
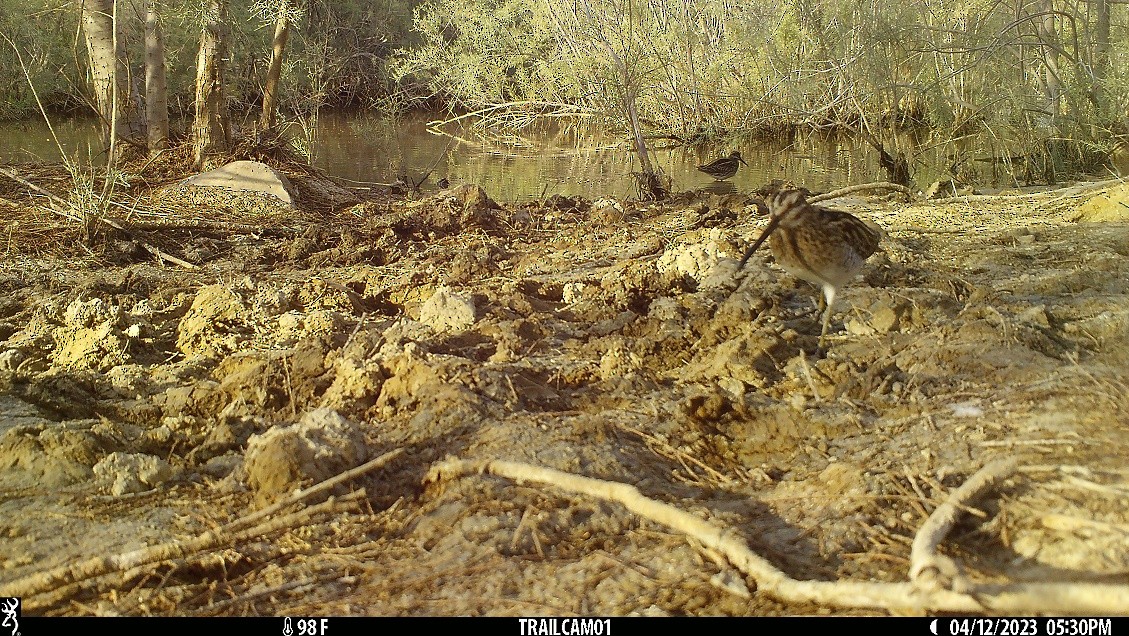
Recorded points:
(565, 626)
(1030, 626)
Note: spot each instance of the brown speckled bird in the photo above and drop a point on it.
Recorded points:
(723, 168)
(822, 246)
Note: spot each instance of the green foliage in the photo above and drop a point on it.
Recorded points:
(998, 74)
(1003, 75)
(478, 53)
(337, 52)
(44, 42)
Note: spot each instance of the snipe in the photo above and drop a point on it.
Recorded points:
(723, 168)
(822, 246)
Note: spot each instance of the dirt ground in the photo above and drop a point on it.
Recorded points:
(145, 403)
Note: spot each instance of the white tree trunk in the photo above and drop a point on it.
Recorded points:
(105, 63)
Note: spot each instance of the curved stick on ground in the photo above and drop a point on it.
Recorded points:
(834, 194)
(1056, 598)
(236, 530)
(930, 570)
(188, 551)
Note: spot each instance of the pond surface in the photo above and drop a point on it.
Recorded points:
(562, 158)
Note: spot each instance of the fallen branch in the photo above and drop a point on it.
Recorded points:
(199, 224)
(1059, 194)
(184, 552)
(834, 194)
(488, 114)
(1060, 598)
(50, 195)
(319, 488)
(41, 582)
(152, 249)
(1087, 189)
(930, 570)
(112, 223)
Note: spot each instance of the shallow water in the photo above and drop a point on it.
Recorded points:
(518, 166)
(561, 159)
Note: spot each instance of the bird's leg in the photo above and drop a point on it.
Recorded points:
(829, 293)
(819, 305)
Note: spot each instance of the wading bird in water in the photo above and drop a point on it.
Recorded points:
(723, 168)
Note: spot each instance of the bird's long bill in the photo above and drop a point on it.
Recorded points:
(772, 223)
(742, 161)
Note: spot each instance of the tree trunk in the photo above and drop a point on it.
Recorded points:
(211, 130)
(1101, 53)
(105, 63)
(1101, 38)
(156, 87)
(270, 91)
(1047, 31)
(650, 184)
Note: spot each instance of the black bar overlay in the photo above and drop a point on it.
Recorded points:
(560, 626)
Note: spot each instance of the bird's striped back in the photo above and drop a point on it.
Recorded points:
(792, 209)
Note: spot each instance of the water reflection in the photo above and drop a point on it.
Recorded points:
(720, 187)
(563, 159)
(31, 140)
(569, 158)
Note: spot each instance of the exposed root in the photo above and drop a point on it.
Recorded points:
(254, 525)
(1065, 598)
(930, 570)
(834, 194)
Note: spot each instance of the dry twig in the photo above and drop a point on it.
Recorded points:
(1065, 598)
(834, 194)
(237, 530)
(930, 570)
(112, 223)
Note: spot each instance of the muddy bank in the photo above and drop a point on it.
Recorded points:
(144, 403)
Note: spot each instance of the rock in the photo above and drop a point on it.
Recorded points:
(884, 318)
(215, 325)
(222, 466)
(320, 445)
(881, 317)
(619, 361)
(1036, 315)
(968, 408)
(126, 473)
(573, 292)
(447, 311)
(90, 337)
(249, 176)
(607, 211)
(357, 379)
(696, 260)
(10, 360)
(89, 313)
(41, 453)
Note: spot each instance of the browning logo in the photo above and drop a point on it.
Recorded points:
(10, 610)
